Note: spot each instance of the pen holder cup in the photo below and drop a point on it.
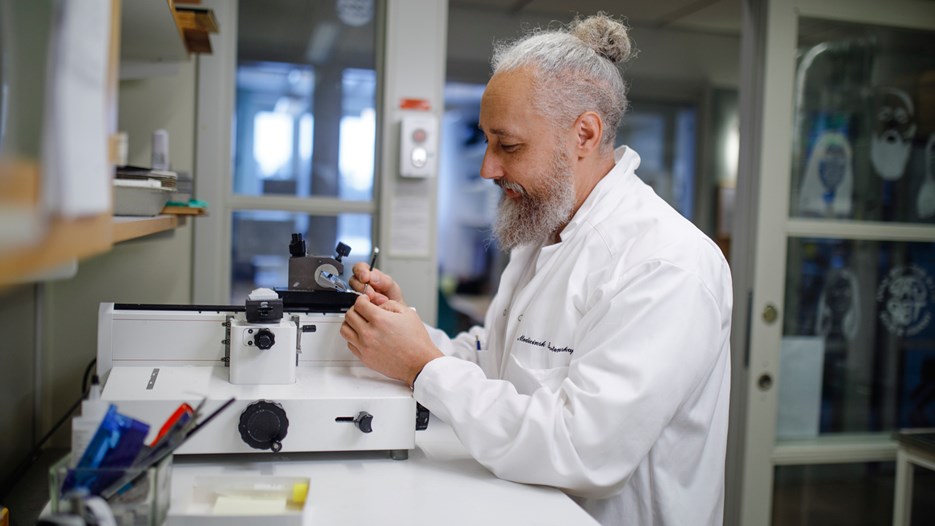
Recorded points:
(142, 502)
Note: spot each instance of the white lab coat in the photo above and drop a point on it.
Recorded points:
(608, 375)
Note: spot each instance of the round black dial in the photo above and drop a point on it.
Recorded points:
(264, 339)
(263, 425)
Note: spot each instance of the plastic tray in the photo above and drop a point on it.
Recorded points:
(132, 201)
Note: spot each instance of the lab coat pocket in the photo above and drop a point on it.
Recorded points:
(528, 380)
(488, 363)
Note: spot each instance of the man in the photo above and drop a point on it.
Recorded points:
(602, 367)
(827, 188)
(893, 131)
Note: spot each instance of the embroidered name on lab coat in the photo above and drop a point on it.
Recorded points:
(544, 344)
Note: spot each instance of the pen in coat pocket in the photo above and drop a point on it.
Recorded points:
(477, 340)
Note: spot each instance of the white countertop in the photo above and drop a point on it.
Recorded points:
(439, 484)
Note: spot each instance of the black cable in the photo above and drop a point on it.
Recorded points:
(27, 462)
(84, 378)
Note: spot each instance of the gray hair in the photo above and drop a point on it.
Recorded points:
(574, 70)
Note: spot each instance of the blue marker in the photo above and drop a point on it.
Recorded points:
(477, 338)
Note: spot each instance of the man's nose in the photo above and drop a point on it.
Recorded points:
(490, 168)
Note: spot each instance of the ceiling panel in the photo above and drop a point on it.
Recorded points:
(310, 31)
(721, 16)
(497, 5)
(642, 12)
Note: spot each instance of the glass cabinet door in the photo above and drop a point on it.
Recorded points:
(861, 314)
(842, 309)
(864, 123)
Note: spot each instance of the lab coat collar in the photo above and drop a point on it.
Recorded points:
(617, 180)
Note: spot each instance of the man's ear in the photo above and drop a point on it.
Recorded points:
(589, 129)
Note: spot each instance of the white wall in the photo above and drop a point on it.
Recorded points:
(414, 68)
(17, 385)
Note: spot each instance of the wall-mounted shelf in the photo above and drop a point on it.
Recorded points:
(76, 239)
(196, 23)
(127, 228)
(19, 182)
(65, 240)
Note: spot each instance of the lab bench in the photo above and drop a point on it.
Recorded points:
(439, 484)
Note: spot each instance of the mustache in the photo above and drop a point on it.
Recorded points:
(509, 185)
(893, 136)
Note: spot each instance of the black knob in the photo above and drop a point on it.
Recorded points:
(263, 425)
(341, 251)
(363, 421)
(264, 339)
(297, 246)
(422, 417)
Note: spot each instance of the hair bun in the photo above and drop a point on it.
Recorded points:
(606, 36)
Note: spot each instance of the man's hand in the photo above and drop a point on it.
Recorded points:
(389, 338)
(379, 287)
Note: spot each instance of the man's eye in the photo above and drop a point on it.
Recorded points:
(901, 116)
(509, 148)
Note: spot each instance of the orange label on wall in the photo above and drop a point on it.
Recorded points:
(415, 104)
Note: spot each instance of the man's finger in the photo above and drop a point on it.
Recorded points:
(356, 284)
(354, 318)
(393, 306)
(373, 277)
(365, 309)
(348, 333)
(354, 350)
(362, 272)
(375, 297)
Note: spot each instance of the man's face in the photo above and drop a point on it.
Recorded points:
(893, 130)
(833, 167)
(525, 158)
(840, 295)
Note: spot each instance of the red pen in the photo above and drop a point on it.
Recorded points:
(181, 410)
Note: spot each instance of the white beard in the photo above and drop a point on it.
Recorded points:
(532, 219)
(889, 154)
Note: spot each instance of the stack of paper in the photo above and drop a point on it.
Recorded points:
(142, 191)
